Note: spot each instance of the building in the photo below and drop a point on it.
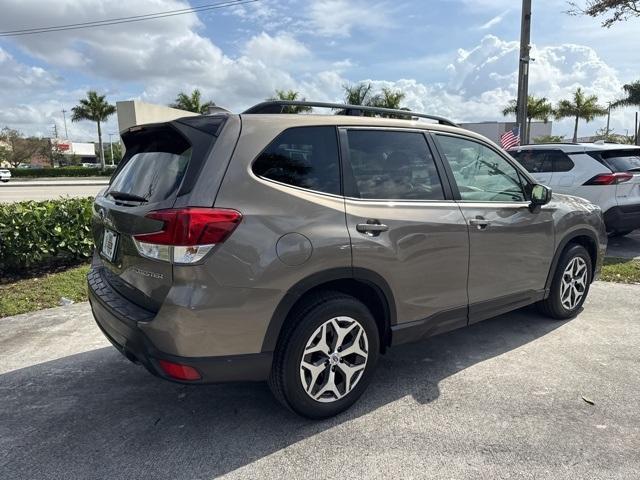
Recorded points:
(74, 153)
(133, 112)
(494, 130)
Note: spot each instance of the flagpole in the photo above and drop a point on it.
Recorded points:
(523, 71)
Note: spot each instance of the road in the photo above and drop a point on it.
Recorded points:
(15, 191)
(501, 399)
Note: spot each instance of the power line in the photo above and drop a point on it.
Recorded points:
(131, 19)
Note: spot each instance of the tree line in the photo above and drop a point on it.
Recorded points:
(579, 107)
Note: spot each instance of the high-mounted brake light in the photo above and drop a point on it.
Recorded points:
(610, 178)
(187, 234)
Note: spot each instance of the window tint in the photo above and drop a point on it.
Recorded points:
(481, 174)
(155, 165)
(305, 157)
(622, 160)
(393, 165)
(534, 161)
(560, 160)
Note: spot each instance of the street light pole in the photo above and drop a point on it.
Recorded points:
(111, 147)
(64, 116)
(523, 70)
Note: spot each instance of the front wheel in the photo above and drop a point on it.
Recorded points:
(570, 284)
(326, 356)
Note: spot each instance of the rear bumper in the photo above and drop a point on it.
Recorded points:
(118, 320)
(622, 218)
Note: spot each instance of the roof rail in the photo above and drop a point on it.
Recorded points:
(277, 106)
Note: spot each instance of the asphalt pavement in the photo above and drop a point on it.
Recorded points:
(625, 247)
(517, 396)
(15, 191)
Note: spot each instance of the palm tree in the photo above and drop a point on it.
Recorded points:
(537, 109)
(580, 107)
(388, 99)
(632, 100)
(94, 108)
(192, 103)
(291, 95)
(358, 94)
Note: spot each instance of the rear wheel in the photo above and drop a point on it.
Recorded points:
(326, 356)
(570, 284)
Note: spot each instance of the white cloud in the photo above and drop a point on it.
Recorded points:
(279, 50)
(337, 18)
(493, 22)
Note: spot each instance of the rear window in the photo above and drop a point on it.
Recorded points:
(155, 164)
(621, 160)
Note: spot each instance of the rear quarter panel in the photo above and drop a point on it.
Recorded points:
(226, 304)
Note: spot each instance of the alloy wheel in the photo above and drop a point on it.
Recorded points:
(574, 283)
(334, 359)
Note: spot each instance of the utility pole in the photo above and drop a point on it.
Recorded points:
(55, 130)
(64, 117)
(523, 70)
(608, 122)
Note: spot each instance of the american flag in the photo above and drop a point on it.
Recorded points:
(510, 138)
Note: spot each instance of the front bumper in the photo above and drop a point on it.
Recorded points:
(622, 218)
(118, 319)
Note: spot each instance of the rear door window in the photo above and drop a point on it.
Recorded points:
(155, 165)
(304, 157)
(393, 165)
(535, 161)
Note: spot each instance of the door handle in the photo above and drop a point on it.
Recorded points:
(479, 222)
(372, 228)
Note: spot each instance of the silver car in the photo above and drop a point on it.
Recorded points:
(298, 248)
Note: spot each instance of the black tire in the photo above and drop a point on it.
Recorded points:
(304, 320)
(619, 233)
(552, 306)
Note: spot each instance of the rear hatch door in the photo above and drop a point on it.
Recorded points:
(625, 160)
(161, 164)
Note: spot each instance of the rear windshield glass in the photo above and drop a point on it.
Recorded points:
(155, 164)
(622, 160)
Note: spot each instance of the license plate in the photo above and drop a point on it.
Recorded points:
(109, 244)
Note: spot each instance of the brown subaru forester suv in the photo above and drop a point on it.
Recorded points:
(296, 248)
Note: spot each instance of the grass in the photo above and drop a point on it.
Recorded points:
(31, 294)
(620, 270)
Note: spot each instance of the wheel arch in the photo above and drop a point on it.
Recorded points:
(584, 237)
(365, 285)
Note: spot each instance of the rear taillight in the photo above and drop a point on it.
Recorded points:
(610, 178)
(187, 234)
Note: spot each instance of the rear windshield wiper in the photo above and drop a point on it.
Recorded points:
(126, 196)
(634, 169)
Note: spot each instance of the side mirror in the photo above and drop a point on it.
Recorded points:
(540, 195)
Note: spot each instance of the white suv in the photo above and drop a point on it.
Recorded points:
(5, 175)
(603, 173)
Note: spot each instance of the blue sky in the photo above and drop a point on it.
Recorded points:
(452, 57)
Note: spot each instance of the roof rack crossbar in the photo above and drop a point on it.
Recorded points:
(278, 106)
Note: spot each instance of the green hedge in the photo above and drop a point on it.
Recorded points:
(34, 234)
(60, 172)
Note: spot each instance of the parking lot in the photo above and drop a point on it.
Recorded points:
(506, 398)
